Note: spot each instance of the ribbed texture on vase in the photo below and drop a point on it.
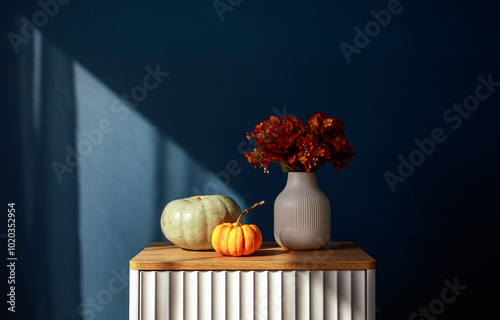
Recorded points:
(306, 213)
(302, 214)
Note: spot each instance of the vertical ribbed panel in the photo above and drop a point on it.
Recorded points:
(317, 288)
(260, 295)
(148, 295)
(344, 295)
(176, 296)
(162, 294)
(302, 295)
(370, 294)
(219, 295)
(331, 295)
(358, 290)
(233, 295)
(134, 295)
(289, 298)
(247, 295)
(275, 294)
(205, 295)
(190, 295)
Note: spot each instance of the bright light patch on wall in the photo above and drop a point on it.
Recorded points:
(127, 173)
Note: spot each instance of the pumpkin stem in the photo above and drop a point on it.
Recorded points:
(196, 199)
(240, 218)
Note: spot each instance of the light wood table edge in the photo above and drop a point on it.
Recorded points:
(367, 263)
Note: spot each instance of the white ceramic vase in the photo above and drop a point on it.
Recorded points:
(302, 213)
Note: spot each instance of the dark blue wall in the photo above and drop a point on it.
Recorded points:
(262, 58)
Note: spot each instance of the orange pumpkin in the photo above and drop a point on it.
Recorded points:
(236, 239)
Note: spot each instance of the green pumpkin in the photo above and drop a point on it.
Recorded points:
(189, 222)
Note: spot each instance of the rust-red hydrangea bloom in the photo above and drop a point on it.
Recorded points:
(299, 147)
(276, 140)
(328, 142)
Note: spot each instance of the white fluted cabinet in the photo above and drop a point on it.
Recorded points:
(334, 283)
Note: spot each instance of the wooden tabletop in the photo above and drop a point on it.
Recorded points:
(336, 256)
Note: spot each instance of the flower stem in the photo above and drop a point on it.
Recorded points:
(288, 167)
